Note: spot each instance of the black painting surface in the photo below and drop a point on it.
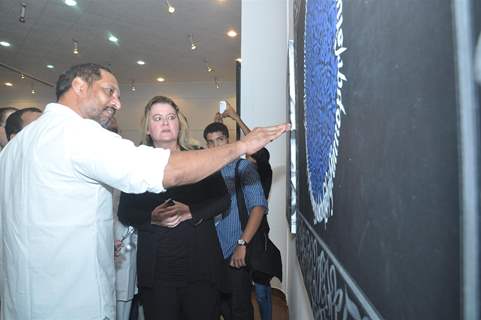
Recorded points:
(395, 227)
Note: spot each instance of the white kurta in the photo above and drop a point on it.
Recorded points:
(56, 215)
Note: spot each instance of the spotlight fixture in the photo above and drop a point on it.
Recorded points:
(75, 46)
(209, 67)
(217, 83)
(9, 84)
(160, 79)
(232, 33)
(22, 76)
(50, 66)
(170, 8)
(140, 62)
(238, 60)
(193, 44)
(33, 89)
(132, 85)
(5, 44)
(22, 13)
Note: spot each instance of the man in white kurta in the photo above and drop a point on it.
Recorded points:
(57, 225)
(57, 245)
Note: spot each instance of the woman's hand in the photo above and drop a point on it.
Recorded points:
(170, 216)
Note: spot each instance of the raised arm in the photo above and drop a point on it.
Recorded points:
(231, 113)
(191, 166)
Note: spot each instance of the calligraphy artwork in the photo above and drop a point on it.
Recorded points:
(323, 81)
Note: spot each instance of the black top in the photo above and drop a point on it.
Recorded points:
(189, 252)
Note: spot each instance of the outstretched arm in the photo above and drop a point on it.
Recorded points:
(191, 166)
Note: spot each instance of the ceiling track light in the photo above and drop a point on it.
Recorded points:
(170, 8)
(132, 85)
(210, 69)
(193, 44)
(33, 89)
(22, 13)
(26, 75)
(217, 83)
(75, 46)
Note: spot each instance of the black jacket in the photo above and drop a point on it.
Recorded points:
(187, 253)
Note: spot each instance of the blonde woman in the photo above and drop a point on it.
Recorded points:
(180, 264)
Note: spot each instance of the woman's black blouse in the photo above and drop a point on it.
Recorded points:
(187, 253)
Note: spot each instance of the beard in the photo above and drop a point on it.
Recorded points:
(105, 118)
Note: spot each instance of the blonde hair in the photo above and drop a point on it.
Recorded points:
(183, 139)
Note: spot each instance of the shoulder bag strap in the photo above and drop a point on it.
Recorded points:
(241, 205)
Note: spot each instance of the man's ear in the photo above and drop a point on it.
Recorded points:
(78, 85)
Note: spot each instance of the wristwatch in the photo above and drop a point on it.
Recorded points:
(241, 242)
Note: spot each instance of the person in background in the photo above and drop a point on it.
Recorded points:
(59, 230)
(180, 263)
(19, 120)
(261, 159)
(236, 303)
(4, 114)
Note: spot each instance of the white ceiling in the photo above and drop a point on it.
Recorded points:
(145, 29)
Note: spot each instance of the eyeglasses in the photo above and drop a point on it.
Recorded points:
(169, 117)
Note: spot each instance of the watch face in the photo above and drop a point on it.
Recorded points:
(241, 242)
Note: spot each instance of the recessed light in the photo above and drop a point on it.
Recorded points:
(50, 66)
(140, 62)
(70, 3)
(5, 44)
(232, 33)
(160, 79)
(113, 38)
(9, 84)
